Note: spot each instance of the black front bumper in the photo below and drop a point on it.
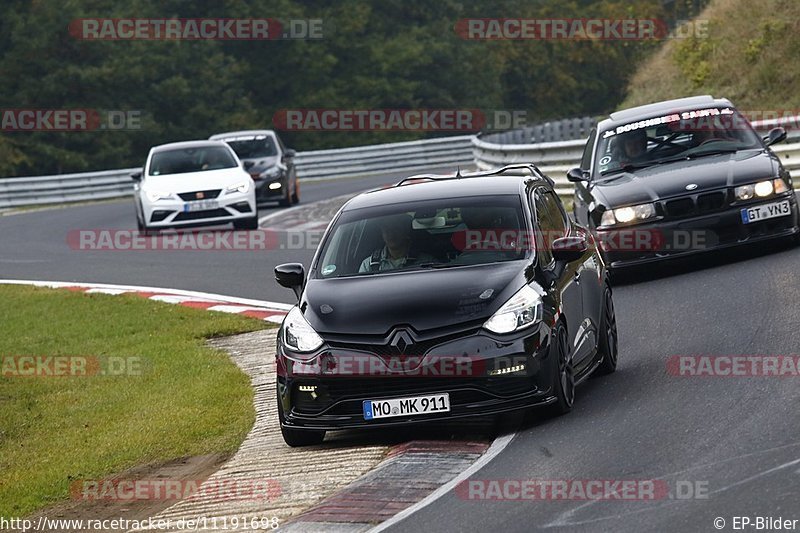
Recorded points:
(672, 239)
(265, 194)
(472, 388)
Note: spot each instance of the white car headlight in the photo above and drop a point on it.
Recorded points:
(243, 186)
(523, 310)
(298, 335)
(627, 215)
(762, 189)
(155, 196)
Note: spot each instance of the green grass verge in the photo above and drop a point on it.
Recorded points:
(189, 400)
(750, 55)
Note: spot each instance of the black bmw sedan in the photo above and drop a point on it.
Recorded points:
(680, 177)
(440, 298)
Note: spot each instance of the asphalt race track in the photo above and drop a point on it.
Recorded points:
(732, 441)
(34, 246)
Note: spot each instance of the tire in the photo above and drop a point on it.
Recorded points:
(608, 343)
(286, 201)
(296, 193)
(299, 437)
(563, 375)
(247, 224)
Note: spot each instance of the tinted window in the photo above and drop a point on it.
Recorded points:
(551, 222)
(586, 160)
(254, 148)
(429, 234)
(675, 136)
(181, 161)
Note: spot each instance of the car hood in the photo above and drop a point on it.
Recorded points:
(260, 164)
(196, 181)
(424, 300)
(671, 179)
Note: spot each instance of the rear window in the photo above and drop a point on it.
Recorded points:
(424, 235)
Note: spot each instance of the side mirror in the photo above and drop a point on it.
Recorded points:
(569, 249)
(289, 153)
(577, 175)
(247, 165)
(136, 176)
(774, 136)
(291, 276)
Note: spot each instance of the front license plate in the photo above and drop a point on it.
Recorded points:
(416, 405)
(200, 205)
(765, 212)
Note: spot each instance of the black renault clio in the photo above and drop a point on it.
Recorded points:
(440, 298)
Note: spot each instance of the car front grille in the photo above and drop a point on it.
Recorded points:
(380, 346)
(199, 195)
(696, 204)
(199, 215)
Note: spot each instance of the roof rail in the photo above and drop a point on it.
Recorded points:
(530, 167)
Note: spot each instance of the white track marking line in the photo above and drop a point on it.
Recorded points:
(284, 212)
(205, 296)
(107, 291)
(498, 445)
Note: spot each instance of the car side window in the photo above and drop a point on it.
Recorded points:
(586, 159)
(551, 223)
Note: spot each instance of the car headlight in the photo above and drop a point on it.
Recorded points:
(243, 186)
(298, 335)
(523, 310)
(627, 215)
(762, 189)
(272, 172)
(155, 196)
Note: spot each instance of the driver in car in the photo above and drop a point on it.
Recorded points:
(396, 252)
(634, 146)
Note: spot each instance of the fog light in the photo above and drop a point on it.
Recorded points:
(276, 185)
(507, 370)
(311, 389)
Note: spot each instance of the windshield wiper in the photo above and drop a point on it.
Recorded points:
(628, 166)
(712, 152)
(433, 265)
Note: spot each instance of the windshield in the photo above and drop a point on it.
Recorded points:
(671, 137)
(181, 161)
(424, 235)
(253, 148)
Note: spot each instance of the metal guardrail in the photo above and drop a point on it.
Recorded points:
(556, 158)
(311, 166)
(380, 158)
